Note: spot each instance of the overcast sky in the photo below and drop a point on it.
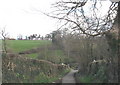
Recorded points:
(20, 17)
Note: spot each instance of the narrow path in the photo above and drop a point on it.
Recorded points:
(69, 78)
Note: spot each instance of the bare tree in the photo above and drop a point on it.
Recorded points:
(72, 14)
(4, 37)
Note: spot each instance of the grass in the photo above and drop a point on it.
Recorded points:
(58, 52)
(86, 79)
(42, 78)
(56, 55)
(33, 55)
(53, 55)
(22, 45)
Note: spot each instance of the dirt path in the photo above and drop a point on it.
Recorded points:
(69, 78)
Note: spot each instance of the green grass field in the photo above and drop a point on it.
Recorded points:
(56, 55)
(22, 45)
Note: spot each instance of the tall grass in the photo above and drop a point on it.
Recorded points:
(43, 78)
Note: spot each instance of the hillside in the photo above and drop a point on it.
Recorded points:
(18, 69)
(38, 49)
(30, 61)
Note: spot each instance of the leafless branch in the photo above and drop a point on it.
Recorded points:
(73, 14)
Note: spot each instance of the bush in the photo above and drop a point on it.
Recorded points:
(86, 79)
(42, 78)
(100, 76)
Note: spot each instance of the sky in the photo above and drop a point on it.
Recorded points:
(20, 17)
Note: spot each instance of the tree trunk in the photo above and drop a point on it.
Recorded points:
(118, 16)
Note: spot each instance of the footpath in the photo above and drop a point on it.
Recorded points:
(69, 78)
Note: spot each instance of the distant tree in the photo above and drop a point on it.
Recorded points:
(56, 37)
(20, 37)
(48, 36)
(39, 36)
(54, 33)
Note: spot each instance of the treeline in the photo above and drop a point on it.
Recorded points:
(97, 56)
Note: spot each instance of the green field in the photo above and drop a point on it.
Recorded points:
(22, 45)
(33, 55)
(48, 52)
(55, 55)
